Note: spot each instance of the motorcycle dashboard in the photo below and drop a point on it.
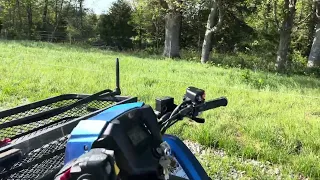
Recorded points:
(130, 136)
(137, 135)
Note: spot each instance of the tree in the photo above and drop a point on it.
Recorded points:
(193, 25)
(18, 5)
(142, 20)
(1, 10)
(29, 17)
(314, 57)
(58, 17)
(81, 13)
(211, 28)
(44, 25)
(114, 27)
(288, 13)
(303, 31)
(173, 19)
(149, 24)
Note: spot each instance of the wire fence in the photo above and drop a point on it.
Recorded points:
(136, 76)
(47, 36)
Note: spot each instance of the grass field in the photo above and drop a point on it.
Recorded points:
(269, 117)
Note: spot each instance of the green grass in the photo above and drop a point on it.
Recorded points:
(267, 117)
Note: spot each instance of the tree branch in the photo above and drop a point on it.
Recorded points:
(212, 14)
(221, 17)
(301, 11)
(164, 4)
(292, 3)
(304, 20)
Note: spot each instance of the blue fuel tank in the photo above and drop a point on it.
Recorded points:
(87, 131)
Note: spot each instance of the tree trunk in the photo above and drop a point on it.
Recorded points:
(19, 17)
(283, 49)
(211, 28)
(58, 19)
(157, 35)
(140, 38)
(172, 35)
(206, 47)
(11, 19)
(199, 25)
(81, 15)
(311, 24)
(44, 16)
(29, 15)
(314, 57)
(56, 11)
(285, 34)
(44, 33)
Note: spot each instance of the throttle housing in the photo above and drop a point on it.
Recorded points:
(194, 95)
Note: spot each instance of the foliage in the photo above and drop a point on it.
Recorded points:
(47, 20)
(115, 28)
(148, 21)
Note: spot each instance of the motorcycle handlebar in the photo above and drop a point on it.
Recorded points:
(222, 101)
(192, 111)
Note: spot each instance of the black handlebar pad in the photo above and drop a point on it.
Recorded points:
(214, 104)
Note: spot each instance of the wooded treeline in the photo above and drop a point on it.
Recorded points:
(284, 33)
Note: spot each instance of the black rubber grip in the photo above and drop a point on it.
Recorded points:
(214, 103)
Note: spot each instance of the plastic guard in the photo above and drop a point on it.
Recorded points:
(87, 131)
(186, 159)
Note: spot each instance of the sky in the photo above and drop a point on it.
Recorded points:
(98, 6)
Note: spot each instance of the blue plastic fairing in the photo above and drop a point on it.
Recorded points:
(115, 111)
(186, 159)
(87, 131)
(82, 137)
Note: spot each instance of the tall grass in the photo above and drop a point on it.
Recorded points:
(269, 117)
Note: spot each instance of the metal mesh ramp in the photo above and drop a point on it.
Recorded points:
(39, 163)
(19, 131)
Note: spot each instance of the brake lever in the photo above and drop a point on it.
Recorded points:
(196, 112)
(198, 120)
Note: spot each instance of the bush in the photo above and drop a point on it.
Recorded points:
(298, 63)
(243, 61)
(191, 55)
(315, 72)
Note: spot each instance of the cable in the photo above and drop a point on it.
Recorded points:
(177, 109)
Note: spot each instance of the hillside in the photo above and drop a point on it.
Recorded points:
(271, 118)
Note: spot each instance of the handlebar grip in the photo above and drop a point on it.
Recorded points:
(223, 101)
(198, 120)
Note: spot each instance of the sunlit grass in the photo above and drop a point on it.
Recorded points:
(268, 115)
